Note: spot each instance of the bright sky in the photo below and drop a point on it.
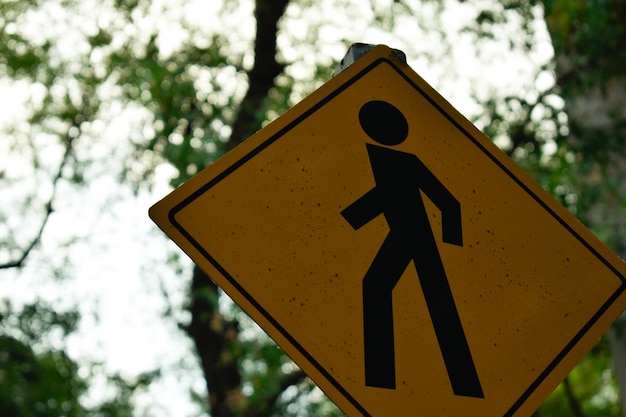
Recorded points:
(115, 265)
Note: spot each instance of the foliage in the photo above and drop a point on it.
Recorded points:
(43, 383)
(588, 38)
(591, 34)
(37, 385)
(38, 378)
(189, 120)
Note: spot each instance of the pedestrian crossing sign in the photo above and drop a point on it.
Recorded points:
(403, 261)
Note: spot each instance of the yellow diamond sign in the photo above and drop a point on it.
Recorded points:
(403, 261)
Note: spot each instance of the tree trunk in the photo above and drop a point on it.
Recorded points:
(215, 339)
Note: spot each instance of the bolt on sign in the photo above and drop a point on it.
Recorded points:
(396, 254)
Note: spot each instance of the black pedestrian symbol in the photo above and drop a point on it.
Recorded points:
(399, 177)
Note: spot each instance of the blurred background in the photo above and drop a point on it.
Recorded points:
(107, 105)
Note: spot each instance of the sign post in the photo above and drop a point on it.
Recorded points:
(404, 262)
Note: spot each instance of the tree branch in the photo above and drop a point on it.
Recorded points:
(571, 398)
(49, 208)
(517, 132)
(287, 381)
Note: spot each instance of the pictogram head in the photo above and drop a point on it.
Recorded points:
(383, 122)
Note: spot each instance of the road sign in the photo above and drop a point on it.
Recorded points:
(399, 257)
